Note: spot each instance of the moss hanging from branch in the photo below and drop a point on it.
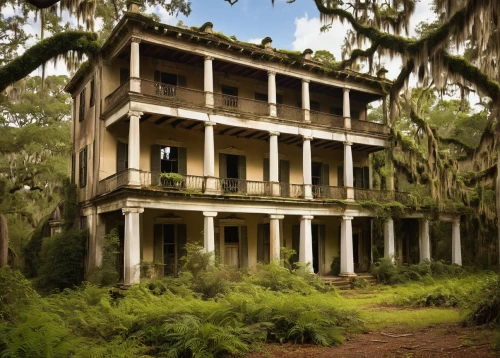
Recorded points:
(83, 43)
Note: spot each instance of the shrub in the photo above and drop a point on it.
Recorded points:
(335, 266)
(62, 259)
(106, 274)
(484, 307)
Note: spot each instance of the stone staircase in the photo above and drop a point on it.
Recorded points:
(344, 283)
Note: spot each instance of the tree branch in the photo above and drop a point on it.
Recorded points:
(57, 45)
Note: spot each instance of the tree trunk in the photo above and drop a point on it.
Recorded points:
(497, 189)
(4, 241)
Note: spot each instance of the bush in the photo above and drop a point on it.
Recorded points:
(62, 261)
(106, 274)
(484, 307)
(335, 266)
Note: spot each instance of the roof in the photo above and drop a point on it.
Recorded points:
(231, 44)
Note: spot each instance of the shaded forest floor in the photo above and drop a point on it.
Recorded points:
(433, 341)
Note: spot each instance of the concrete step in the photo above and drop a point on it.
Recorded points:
(345, 283)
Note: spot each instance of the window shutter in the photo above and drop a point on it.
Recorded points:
(266, 169)
(181, 81)
(158, 247)
(325, 174)
(242, 173)
(182, 161)
(92, 93)
(243, 247)
(322, 241)
(366, 177)
(83, 167)
(284, 177)
(295, 242)
(73, 167)
(260, 243)
(121, 156)
(222, 166)
(340, 176)
(155, 164)
(181, 242)
(358, 177)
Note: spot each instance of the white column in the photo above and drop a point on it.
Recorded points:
(425, 247)
(274, 225)
(348, 170)
(209, 159)
(271, 93)
(208, 83)
(132, 246)
(389, 249)
(306, 167)
(456, 253)
(208, 231)
(134, 148)
(347, 109)
(346, 251)
(135, 74)
(274, 163)
(305, 248)
(306, 104)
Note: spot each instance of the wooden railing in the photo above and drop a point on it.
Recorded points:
(364, 126)
(117, 95)
(241, 104)
(290, 113)
(197, 184)
(173, 93)
(326, 120)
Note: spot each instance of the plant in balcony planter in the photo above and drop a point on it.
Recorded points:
(171, 179)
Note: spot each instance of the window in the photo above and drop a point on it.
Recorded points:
(92, 93)
(361, 177)
(124, 75)
(169, 159)
(230, 96)
(83, 167)
(166, 83)
(261, 97)
(336, 111)
(81, 116)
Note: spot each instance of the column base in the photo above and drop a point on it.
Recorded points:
(347, 274)
(135, 85)
(347, 123)
(211, 186)
(275, 189)
(273, 112)
(308, 191)
(350, 194)
(209, 99)
(307, 115)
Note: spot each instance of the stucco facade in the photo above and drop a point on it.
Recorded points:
(184, 136)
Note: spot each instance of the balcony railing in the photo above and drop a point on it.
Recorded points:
(240, 104)
(196, 98)
(197, 184)
(327, 120)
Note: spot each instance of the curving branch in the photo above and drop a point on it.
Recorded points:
(84, 43)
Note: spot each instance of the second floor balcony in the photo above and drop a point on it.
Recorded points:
(197, 185)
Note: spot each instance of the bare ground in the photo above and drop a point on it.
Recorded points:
(434, 341)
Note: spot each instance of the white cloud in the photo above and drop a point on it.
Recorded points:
(308, 35)
(256, 41)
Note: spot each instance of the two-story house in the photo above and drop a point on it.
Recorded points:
(184, 135)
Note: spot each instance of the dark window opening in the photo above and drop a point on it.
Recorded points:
(169, 250)
(231, 234)
(261, 97)
(92, 93)
(316, 173)
(83, 167)
(230, 96)
(232, 166)
(315, 247)
(81, 116)
(169, 159)
(336, 111)
(314, 106)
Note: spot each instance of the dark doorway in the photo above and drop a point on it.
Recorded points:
(231, 246)
(232, 162)
(169, 250)
(315, 247)
(120, 262)
(355, 248)
(316, 173)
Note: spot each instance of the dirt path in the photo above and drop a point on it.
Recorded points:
(437, 341)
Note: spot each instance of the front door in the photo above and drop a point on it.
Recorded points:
(169, 247)
(231, 246)
(169, 250)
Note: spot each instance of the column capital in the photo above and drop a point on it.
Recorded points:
(126, 211)
(135, 39)
(279, 217)
(271, 73)
(307, 137)
(347, 217)
(134, 114)
(209, 124)
(456, 220)
(345, 89)
(347, 143)
(305, 80)
(307, 217)
(274, 133)
(210, 213)
(208, 58)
